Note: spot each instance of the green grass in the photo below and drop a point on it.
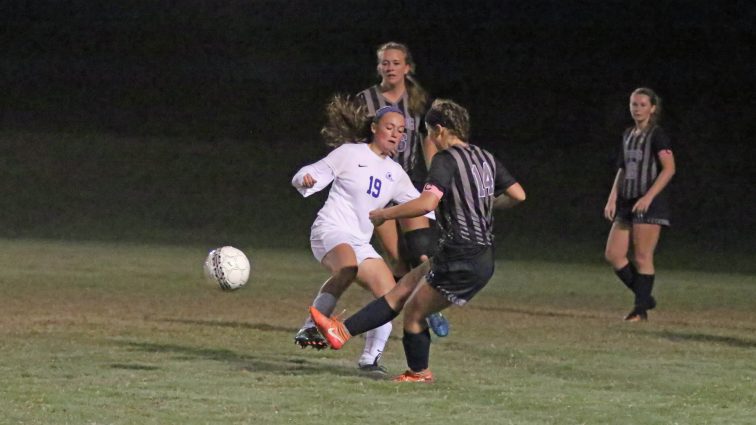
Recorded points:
(98, 333)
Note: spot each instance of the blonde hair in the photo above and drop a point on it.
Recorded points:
(418, 97)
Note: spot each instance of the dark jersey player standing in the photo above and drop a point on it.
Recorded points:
(406, 242)
(638, 203)
(464, 185)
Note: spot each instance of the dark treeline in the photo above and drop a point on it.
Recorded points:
(546, 83)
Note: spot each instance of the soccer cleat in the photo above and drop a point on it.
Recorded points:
(334, 331)
(409, 376)
(310, 337)
(438, 324)
(637, 315)
(373, 368)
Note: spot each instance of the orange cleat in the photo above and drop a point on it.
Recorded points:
(332, 329)
(409, 376)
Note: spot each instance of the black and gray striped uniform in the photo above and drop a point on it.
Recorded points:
(410, 150)
(639, 159)
(469, 178)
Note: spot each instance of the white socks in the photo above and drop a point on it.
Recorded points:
(375, 342)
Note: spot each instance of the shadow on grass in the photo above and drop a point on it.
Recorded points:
(264, 327)
(279, 364)
(132, 366)
(699, 337)
(540, 313)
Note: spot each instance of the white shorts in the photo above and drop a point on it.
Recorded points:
(323, 241)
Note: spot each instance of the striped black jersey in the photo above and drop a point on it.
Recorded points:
(640, 160)
(410, 151)
(469, 178)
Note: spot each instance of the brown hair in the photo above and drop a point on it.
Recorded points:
(346, 121)
(451, 116)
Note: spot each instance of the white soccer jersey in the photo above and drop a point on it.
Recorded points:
(362, 182)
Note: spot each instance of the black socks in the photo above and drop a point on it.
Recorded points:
(373, 315)
(644, 284)
(417, 349)
(627, 275)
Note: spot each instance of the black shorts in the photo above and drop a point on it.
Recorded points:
(460, 273)
(658, 212)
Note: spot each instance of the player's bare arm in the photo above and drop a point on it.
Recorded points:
(513, 196)
(427, 202)
(611, 204)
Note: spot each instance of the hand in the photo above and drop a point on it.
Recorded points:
(308, 181)
(376, 217)
(610, 209)
(641, 206)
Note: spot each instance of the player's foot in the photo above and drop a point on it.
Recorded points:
(310, 337)
(438, 324)
(373, 368)
(334, 331)
(409, 376)
(637, 315)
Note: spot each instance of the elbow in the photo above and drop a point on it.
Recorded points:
(517, 193)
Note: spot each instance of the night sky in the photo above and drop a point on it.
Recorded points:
(546, 82)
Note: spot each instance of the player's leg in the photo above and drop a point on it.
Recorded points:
(416, 339)
(388, 236)
(375, 275)
(341, 262)
(617, 246)
(645, 238)
(421, 242)
(374, 314)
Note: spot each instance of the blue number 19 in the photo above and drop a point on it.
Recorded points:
(374, 187)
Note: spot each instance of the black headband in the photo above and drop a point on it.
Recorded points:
(434, 117)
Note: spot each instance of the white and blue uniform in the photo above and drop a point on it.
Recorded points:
(362, 181)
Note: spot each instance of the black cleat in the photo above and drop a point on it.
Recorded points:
(374, 368)
(310, 337)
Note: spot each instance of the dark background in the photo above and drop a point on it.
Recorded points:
(183, 121)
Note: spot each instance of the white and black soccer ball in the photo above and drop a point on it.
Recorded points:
(227, 268)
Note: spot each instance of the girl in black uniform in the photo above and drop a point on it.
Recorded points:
(638, 203)
(464, 185)
(415, 238)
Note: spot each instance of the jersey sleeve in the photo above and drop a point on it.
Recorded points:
(503, 179)
(441, 171)
(660, 141)
(323, 171)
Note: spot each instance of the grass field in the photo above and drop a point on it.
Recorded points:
(96, 333)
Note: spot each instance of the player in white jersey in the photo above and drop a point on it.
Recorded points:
(363, 177)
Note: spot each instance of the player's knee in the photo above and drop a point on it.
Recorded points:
(341, 279)
(614, 256)
(421, 243)
(644, 259)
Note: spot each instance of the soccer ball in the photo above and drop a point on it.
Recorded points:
(227, 268)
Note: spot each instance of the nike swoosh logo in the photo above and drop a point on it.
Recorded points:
(333, 333)
(360, 165)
